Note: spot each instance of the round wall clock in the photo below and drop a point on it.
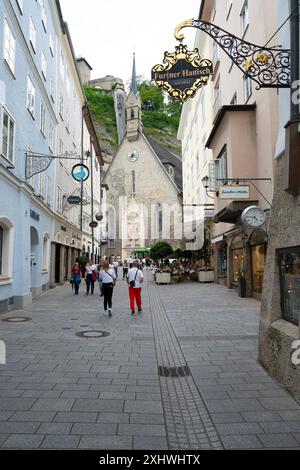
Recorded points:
(253, 217)
(133, 155)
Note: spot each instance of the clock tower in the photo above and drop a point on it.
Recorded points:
(133, 108)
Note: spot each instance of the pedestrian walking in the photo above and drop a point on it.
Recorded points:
(125, 269)
(116, 265)
(90, 277)
(100, 268)
(135, 278)
(76, 277)
(108, 278)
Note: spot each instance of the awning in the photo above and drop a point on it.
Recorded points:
(141, 250)
(231, 213)
(220, 238)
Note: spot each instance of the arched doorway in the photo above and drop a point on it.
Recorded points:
(34, 256)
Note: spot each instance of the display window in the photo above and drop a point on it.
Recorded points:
(222, 257)
(289, 269)
(258, 246)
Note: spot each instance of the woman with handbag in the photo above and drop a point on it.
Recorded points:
(108, 278)
(76, 277)
(135, 279)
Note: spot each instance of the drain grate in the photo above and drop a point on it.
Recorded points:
(92, 334)
(17, 319)
(180, 371)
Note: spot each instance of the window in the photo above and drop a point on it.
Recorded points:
(51, 136)
(43, 65)
(44, 16)
(52, 89)
(247, 87)
(245, 16)
(51, 44)
(20, 5)
(59, 199)
(32, 34)
(228, 7)
(221, 167)
(61, 105)
(8, 136)
(43, 119)
(48, 191)
(6, 247)
(30, 96)
(40, 183)
(233, 101)
(218, 101)
(289, 269)
(133, 182)
(45, 265)
(62, 63)
(9, 47)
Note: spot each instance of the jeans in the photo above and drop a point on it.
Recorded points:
(89, 283)
(107, 292)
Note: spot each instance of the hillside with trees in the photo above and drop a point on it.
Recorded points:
(160, 117)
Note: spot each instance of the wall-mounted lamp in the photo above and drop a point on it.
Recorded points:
(205, 182)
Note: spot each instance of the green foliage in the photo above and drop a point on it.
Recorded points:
(160, 250)
(102, 109)
(152, 97)
(82, 260)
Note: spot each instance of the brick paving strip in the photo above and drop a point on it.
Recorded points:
(188, 423)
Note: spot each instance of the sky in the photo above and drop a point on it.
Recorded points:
(107, 32)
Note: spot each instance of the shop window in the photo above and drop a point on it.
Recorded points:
(46, 252)
(222, 265)
(258, 247)
(237, 248)
(289, 269)
(6, 246)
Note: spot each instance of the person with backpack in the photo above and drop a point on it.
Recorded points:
(135, 278)
(108, 278)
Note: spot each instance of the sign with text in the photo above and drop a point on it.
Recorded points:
(184, 74)
(74, 199)
(234, 192)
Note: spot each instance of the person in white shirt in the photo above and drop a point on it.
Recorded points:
(90, 277)
(108, 278)
(135, 279)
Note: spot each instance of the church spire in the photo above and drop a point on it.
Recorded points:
(133, 86)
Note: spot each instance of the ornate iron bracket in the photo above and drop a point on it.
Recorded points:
(38, 162)
(268, 67)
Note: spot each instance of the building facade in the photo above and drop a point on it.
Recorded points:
(280, 310)
(231, 131)
(31, 125)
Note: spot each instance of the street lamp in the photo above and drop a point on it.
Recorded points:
(205, 182)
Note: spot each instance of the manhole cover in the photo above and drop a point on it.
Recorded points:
(181, 371)
(16, 319)
(92, 334)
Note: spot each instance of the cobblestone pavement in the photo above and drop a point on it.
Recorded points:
(183, 375)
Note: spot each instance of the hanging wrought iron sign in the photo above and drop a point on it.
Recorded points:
(184, 73)
(80, 172)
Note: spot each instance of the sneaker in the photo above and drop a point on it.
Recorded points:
(106, 313)
(140, 311)
(132, 313)
(109, 312)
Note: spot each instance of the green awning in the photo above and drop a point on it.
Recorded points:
(142, 250)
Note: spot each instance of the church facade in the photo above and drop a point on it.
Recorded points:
(143, 203)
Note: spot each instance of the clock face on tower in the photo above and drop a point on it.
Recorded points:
(133, 155)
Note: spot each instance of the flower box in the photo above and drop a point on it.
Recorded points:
(206, 276)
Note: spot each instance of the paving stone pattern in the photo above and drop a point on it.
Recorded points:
(61, 391)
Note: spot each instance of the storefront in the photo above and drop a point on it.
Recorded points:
(238, 260)
(257, 243)
(289, 268)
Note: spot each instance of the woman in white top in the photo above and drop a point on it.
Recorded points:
(108, 278)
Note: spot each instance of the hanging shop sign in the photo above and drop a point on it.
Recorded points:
(184, 73)
(74, 199)
(80, 172)
(234, 192)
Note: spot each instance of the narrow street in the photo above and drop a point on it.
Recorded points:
(183, 375)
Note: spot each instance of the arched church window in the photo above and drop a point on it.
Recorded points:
(133, 182)
(132, 114)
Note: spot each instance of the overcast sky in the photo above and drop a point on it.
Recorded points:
(107, 32)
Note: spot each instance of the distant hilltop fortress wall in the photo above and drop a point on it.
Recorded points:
(111, 85)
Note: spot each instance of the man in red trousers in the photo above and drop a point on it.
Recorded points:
(135, 278)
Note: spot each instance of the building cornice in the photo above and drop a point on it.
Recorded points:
(222, 113)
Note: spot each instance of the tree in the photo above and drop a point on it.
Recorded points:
(160, 250)
(152, 97)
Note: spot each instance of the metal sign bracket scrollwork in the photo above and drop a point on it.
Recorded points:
(36, 162)
(268, 67)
